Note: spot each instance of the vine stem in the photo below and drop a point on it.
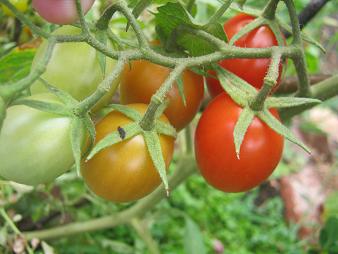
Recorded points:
(269, 11)
(185, 168)
(215, 18)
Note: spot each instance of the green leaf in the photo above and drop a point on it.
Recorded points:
(217, 30)
(193, 239)
(90, 127)
(15, 65)
(76, 136)
(289, 102)
(140, 7)
(278, 127)
(154, 148)
(129, 131)
(180, 86)
(241, 127)
(50, 107)
(246, 29)
(127, 111)
(241, 3)
(329, 235)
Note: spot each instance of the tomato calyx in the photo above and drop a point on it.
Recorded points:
(133, 129)
(244, 95)
(67, 107)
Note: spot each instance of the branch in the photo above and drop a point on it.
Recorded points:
(290, 84)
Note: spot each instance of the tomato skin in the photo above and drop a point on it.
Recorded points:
(60, 12)
(251, 70)
(142, 79)
(21, 5)
(260, 152)
(74, 67)
(35, 146)
(124, 172)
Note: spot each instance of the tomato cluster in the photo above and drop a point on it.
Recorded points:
(35, 146)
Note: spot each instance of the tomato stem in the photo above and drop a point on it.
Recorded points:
(269, 11)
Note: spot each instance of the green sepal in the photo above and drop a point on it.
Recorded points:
(90, 127)
(102, 37)
(304, 36)
(129, 131)
(278, 127)
(65, 97)
(50, 107)
(127, 111)
(247, 29)
(180, 86)
(236, 81)
(289, 102)
(154, 148)
(241, 3)
(160, 110)
(165, 129)
(241, 127)
(77, 136)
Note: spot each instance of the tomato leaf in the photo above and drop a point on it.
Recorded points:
(241, 127)
(278, 127)
(50, 107)
(76, 137)
(15, 65)
(289, 102)
(130, 131)
(154, 148)
(125, 110)
(179, 83)
(193, 239)
(140, 7)
(329, 235)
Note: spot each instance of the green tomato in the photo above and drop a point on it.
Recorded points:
(35, 146)
(74, 67)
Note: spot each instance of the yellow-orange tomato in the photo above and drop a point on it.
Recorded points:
(141, 79)
(124, 172)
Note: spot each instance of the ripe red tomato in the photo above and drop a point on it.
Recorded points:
(142, 79)
(124, 172)
(260, 152)
(60, 12)
(251, 70)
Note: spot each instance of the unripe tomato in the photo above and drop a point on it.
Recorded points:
(124, 172)
(35, 146)
(74, 67)
(215, 153)
(251, 70)
(60, 12)
(21, 5)
(141, 79)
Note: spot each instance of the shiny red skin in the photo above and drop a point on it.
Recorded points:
(251, 70)
(215, 153)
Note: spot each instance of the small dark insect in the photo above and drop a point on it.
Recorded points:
(122, 132)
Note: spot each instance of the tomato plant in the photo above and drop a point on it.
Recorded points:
(142, 79)
(124, 171)
(35, 146)
(251, 70)
(60, 12)
(74, 68)
(21, 5)
(260, 153)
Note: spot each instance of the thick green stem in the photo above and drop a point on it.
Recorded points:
(148, 120)
(270, 80)
(185, 168)
(294, 21)
(188, 139)
(84, 26)
(302, 74)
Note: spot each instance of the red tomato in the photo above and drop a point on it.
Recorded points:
(251, 70)
(60, 12)
(260, 152)
(142, 79)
